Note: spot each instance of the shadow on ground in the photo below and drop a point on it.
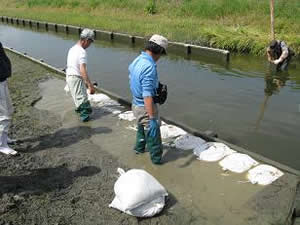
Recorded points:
(172, 154)
(43, 180)
(60, 139)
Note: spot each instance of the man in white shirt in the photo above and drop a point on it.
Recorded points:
(77, 76)
(279, 54)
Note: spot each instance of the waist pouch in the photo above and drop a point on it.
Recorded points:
(161, 94)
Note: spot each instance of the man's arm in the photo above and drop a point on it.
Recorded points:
(149, 90)
(284, 54)
(84, 75)
(149, 106)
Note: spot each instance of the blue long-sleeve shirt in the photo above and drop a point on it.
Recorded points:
(143, 78)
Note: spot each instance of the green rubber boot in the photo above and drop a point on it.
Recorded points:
(140, 140)
(155, 148)
(85, 110)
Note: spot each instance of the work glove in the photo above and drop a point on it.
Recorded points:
(276, 61)
(153, 127)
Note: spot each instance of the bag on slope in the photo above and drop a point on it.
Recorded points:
(128, 115)
(238, 163)
(212, 151)
(188, 142)
(98, 98)
(264, 174)
(171, 131)
(138, 193)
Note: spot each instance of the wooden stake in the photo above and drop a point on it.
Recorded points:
(272, 19)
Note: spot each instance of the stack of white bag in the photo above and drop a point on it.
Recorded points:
(138, 193)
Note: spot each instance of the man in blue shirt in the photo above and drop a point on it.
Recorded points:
(143, 80)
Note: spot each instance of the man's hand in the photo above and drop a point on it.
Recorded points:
(277, 61)
(84, 75)
(91, 89)
(153, 127)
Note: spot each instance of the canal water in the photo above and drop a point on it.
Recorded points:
(245, 101)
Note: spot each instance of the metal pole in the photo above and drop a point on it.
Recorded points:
(272, 19)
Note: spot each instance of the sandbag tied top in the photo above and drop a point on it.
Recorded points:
(171, 131)
(212, 151)
(237, 163)
(188, 142)
(264, 174)
(128, 115)
(139, 194)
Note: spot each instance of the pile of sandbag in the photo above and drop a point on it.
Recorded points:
(138, 193)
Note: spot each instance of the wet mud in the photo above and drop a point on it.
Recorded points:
(56, 178)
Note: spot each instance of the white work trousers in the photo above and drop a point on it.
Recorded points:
(6, 110)
(77, 89)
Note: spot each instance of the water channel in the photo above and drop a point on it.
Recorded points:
(246, 101)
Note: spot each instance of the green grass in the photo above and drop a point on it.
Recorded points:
(236, 25)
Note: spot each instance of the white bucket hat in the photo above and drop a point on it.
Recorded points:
(160, 40)
(87, 34)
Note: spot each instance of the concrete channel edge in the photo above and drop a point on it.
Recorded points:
(174, 47)
(61, 75)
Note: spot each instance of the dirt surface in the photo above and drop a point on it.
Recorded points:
(56, 179)
(66, 169)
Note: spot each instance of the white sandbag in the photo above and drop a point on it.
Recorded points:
(170, 131)
(105, 103)
(264, 174)
(212, 151)
(188, 142)
(128, 115)
(116, 112)
(97, 98)
(237, 163)
(147, 210)
(138, 193)
(163, 123)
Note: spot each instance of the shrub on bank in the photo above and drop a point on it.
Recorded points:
(236, 25)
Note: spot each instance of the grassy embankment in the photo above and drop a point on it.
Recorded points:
(236, 25)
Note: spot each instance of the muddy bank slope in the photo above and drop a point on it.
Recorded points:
(56, 178)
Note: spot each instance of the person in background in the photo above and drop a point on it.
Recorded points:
(6, 108)
(77, 77)
(279, 54)
(144, 83)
